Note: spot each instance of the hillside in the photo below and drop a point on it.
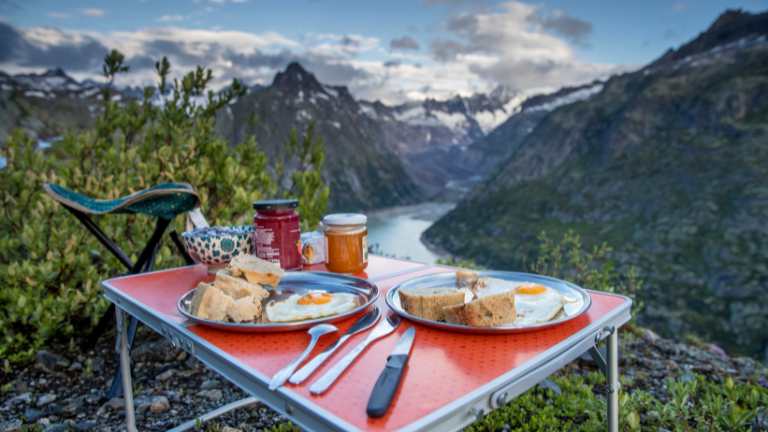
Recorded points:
(363, 173)
(661, 164)
(45, 104)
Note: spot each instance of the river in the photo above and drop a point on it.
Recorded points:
(396, 231)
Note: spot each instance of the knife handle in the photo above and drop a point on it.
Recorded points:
(386, 385)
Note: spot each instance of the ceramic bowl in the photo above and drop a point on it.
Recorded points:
(216, 246)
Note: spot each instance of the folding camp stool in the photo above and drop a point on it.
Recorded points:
(163, 201)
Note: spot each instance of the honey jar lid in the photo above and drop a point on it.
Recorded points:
(275, 204)
(345, 219)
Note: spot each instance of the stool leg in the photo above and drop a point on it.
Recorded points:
(125, 369)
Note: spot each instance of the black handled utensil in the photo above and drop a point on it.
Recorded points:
(389, 380)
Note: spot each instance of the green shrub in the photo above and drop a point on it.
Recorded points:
(689, 403)
(50, 266)
(566, 258)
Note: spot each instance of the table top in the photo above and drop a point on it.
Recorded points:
(445, 369)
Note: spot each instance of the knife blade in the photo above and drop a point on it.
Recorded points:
(387, 383)
(384, 328)
(363, 323)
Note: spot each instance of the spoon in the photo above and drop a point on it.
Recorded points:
(363, 323)
(315, 332)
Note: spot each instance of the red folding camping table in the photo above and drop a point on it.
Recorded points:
(451, 380)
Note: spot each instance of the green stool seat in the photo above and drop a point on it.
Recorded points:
(165, 200)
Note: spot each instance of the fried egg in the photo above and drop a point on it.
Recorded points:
(535, 303)
(313, 304)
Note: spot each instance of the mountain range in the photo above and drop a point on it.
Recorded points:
(392, 155)
(667, 164)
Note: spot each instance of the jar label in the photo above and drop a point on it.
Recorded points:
(264, 239)
(365, 248)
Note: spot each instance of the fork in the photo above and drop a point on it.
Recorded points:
(282, 375)
(384, 328)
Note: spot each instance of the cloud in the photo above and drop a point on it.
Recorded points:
(171, 18)
(679, 6)
(49, 48)
(519, 45)
(404, 43)
(447, 50)
(575, 29)
(93, 12)
(516, 44)
(59, 15)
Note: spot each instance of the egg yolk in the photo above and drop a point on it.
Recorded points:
(531, 289)
(314, 298)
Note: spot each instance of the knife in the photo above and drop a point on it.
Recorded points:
(389, 380)
(384, 328)
(363, 323)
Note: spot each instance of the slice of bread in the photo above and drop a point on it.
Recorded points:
(245, 309)
(236, 287)
(210, 302)
(256, 270)
(428, 303)
(486, 311)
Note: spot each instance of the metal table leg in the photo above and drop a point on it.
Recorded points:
(125, 368)
(192, 424)
(613, 381)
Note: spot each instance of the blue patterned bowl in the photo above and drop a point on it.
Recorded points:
(218, 245)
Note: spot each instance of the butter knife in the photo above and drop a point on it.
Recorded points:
(363, 323)
(389, 380)
(384, 328)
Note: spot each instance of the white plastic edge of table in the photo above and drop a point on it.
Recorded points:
(451, 416)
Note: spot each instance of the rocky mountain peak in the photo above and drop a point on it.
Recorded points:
(731, 26)
(295, 78)
(57, 72)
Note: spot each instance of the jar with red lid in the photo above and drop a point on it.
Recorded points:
(277, 235)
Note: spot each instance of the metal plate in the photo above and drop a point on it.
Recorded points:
(295, 283)
(571, 310)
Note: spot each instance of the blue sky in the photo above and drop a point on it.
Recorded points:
(440, 46)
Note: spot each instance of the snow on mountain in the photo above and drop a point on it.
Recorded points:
(568, 98)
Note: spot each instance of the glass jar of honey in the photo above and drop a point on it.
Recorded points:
(346, 241)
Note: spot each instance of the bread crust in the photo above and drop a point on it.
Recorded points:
(256, 270)
(429, 305)
(210, 302)
(485, 311)
(245, 309)
(238, 288)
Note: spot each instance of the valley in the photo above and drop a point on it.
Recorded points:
(665, 164)
(660, 163)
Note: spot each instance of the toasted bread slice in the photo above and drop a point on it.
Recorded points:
(486, 311)
(245, 309)
(428, 303)
(256, 270)
(236, 287)
(210, 302)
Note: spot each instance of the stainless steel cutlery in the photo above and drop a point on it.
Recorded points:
(384, 328)
(389, 379)
(363, 323)
(315, 332)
